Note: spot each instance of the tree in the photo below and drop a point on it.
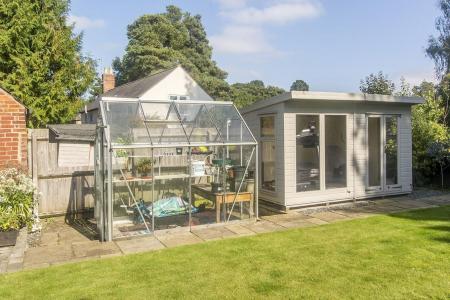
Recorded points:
(377, 84)
(244, 94)
(428, 127)
(405, 88)
(439, 47)
(299, 85)
(40, 60)
(159, 41)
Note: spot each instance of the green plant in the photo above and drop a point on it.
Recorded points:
(144, 166)
(17, 200)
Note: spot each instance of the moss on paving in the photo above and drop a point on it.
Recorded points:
(398, 256)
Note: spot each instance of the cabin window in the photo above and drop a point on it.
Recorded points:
(321, 152)
(267, 134)
(308, 153)
(335, 152)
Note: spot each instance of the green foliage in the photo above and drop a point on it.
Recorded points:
(244, 94)
(438, 47)
(16, 200)
(377, 84)
(144, 166)
(299, 85)
(428, 126)
(40, 60)
(159, 41)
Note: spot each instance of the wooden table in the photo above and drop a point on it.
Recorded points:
(219, 199)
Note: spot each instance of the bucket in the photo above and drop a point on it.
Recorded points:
(251, 185)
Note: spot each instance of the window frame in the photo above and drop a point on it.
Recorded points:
(263, 139)
(322, 158)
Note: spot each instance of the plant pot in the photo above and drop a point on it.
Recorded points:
(8, 238)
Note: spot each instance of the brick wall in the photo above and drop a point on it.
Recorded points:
(13, 132)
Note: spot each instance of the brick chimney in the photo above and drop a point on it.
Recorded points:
(109, 81)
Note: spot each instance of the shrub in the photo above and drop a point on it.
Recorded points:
(18, 198)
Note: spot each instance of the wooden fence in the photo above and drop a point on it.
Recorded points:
(63, 189)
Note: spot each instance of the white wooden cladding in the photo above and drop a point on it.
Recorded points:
(357, 157)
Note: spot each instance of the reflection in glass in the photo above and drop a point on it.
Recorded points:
(374, 144)
(308, 153)
(335, 152)
(391, 150)
(268, 126)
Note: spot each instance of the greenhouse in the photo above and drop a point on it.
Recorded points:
(172, 164)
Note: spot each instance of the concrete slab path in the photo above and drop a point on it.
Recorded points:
(64, 241)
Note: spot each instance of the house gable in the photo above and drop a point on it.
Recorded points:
(178, 82)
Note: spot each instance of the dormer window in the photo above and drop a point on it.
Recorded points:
(178, 97)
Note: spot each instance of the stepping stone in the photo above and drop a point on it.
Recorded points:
(136, 245)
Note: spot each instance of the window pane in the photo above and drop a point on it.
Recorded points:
(374, 143)
(268, 165)
(268, 126)
(308, 153)
(391, 150)
(335, 152)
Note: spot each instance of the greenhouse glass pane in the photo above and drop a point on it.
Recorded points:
(126, 123)
(230, 124)
(163, 123)
(198, 123)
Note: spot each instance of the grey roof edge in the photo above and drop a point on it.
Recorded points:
(73, 132)
(331, 96)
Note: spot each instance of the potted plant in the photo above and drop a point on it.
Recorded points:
(18, 205)
(144, 167)
(121, 155)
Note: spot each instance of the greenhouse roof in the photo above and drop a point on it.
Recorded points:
(133, 123)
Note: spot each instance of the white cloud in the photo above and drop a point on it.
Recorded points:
(230, 4)
(245, 29)
(82, 23)
(241, 40)
(416, 77)
(279, 13)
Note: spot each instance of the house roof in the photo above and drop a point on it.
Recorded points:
(132, 89)
(137, 88)
(327, 96)
(74, 132)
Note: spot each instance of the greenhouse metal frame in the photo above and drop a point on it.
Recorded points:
(166, 151)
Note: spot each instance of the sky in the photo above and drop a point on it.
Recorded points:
(330, 44)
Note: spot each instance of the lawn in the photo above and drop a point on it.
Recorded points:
(404, 255)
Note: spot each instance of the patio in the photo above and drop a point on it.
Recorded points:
(64, 241)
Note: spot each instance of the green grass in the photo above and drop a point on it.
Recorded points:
(403, 256)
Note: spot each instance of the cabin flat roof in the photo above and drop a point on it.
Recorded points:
(330, 96)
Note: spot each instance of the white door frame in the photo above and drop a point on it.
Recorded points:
(383, 187)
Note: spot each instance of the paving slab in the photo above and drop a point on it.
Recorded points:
(178, 239)
(93, 248)
(136, 245)
(299, 223)
(263, 227)
(353, 213)
(329, 216)
(213, 233)
(240, 230)
(47, 254)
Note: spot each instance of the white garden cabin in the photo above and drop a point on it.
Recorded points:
(320, 147)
